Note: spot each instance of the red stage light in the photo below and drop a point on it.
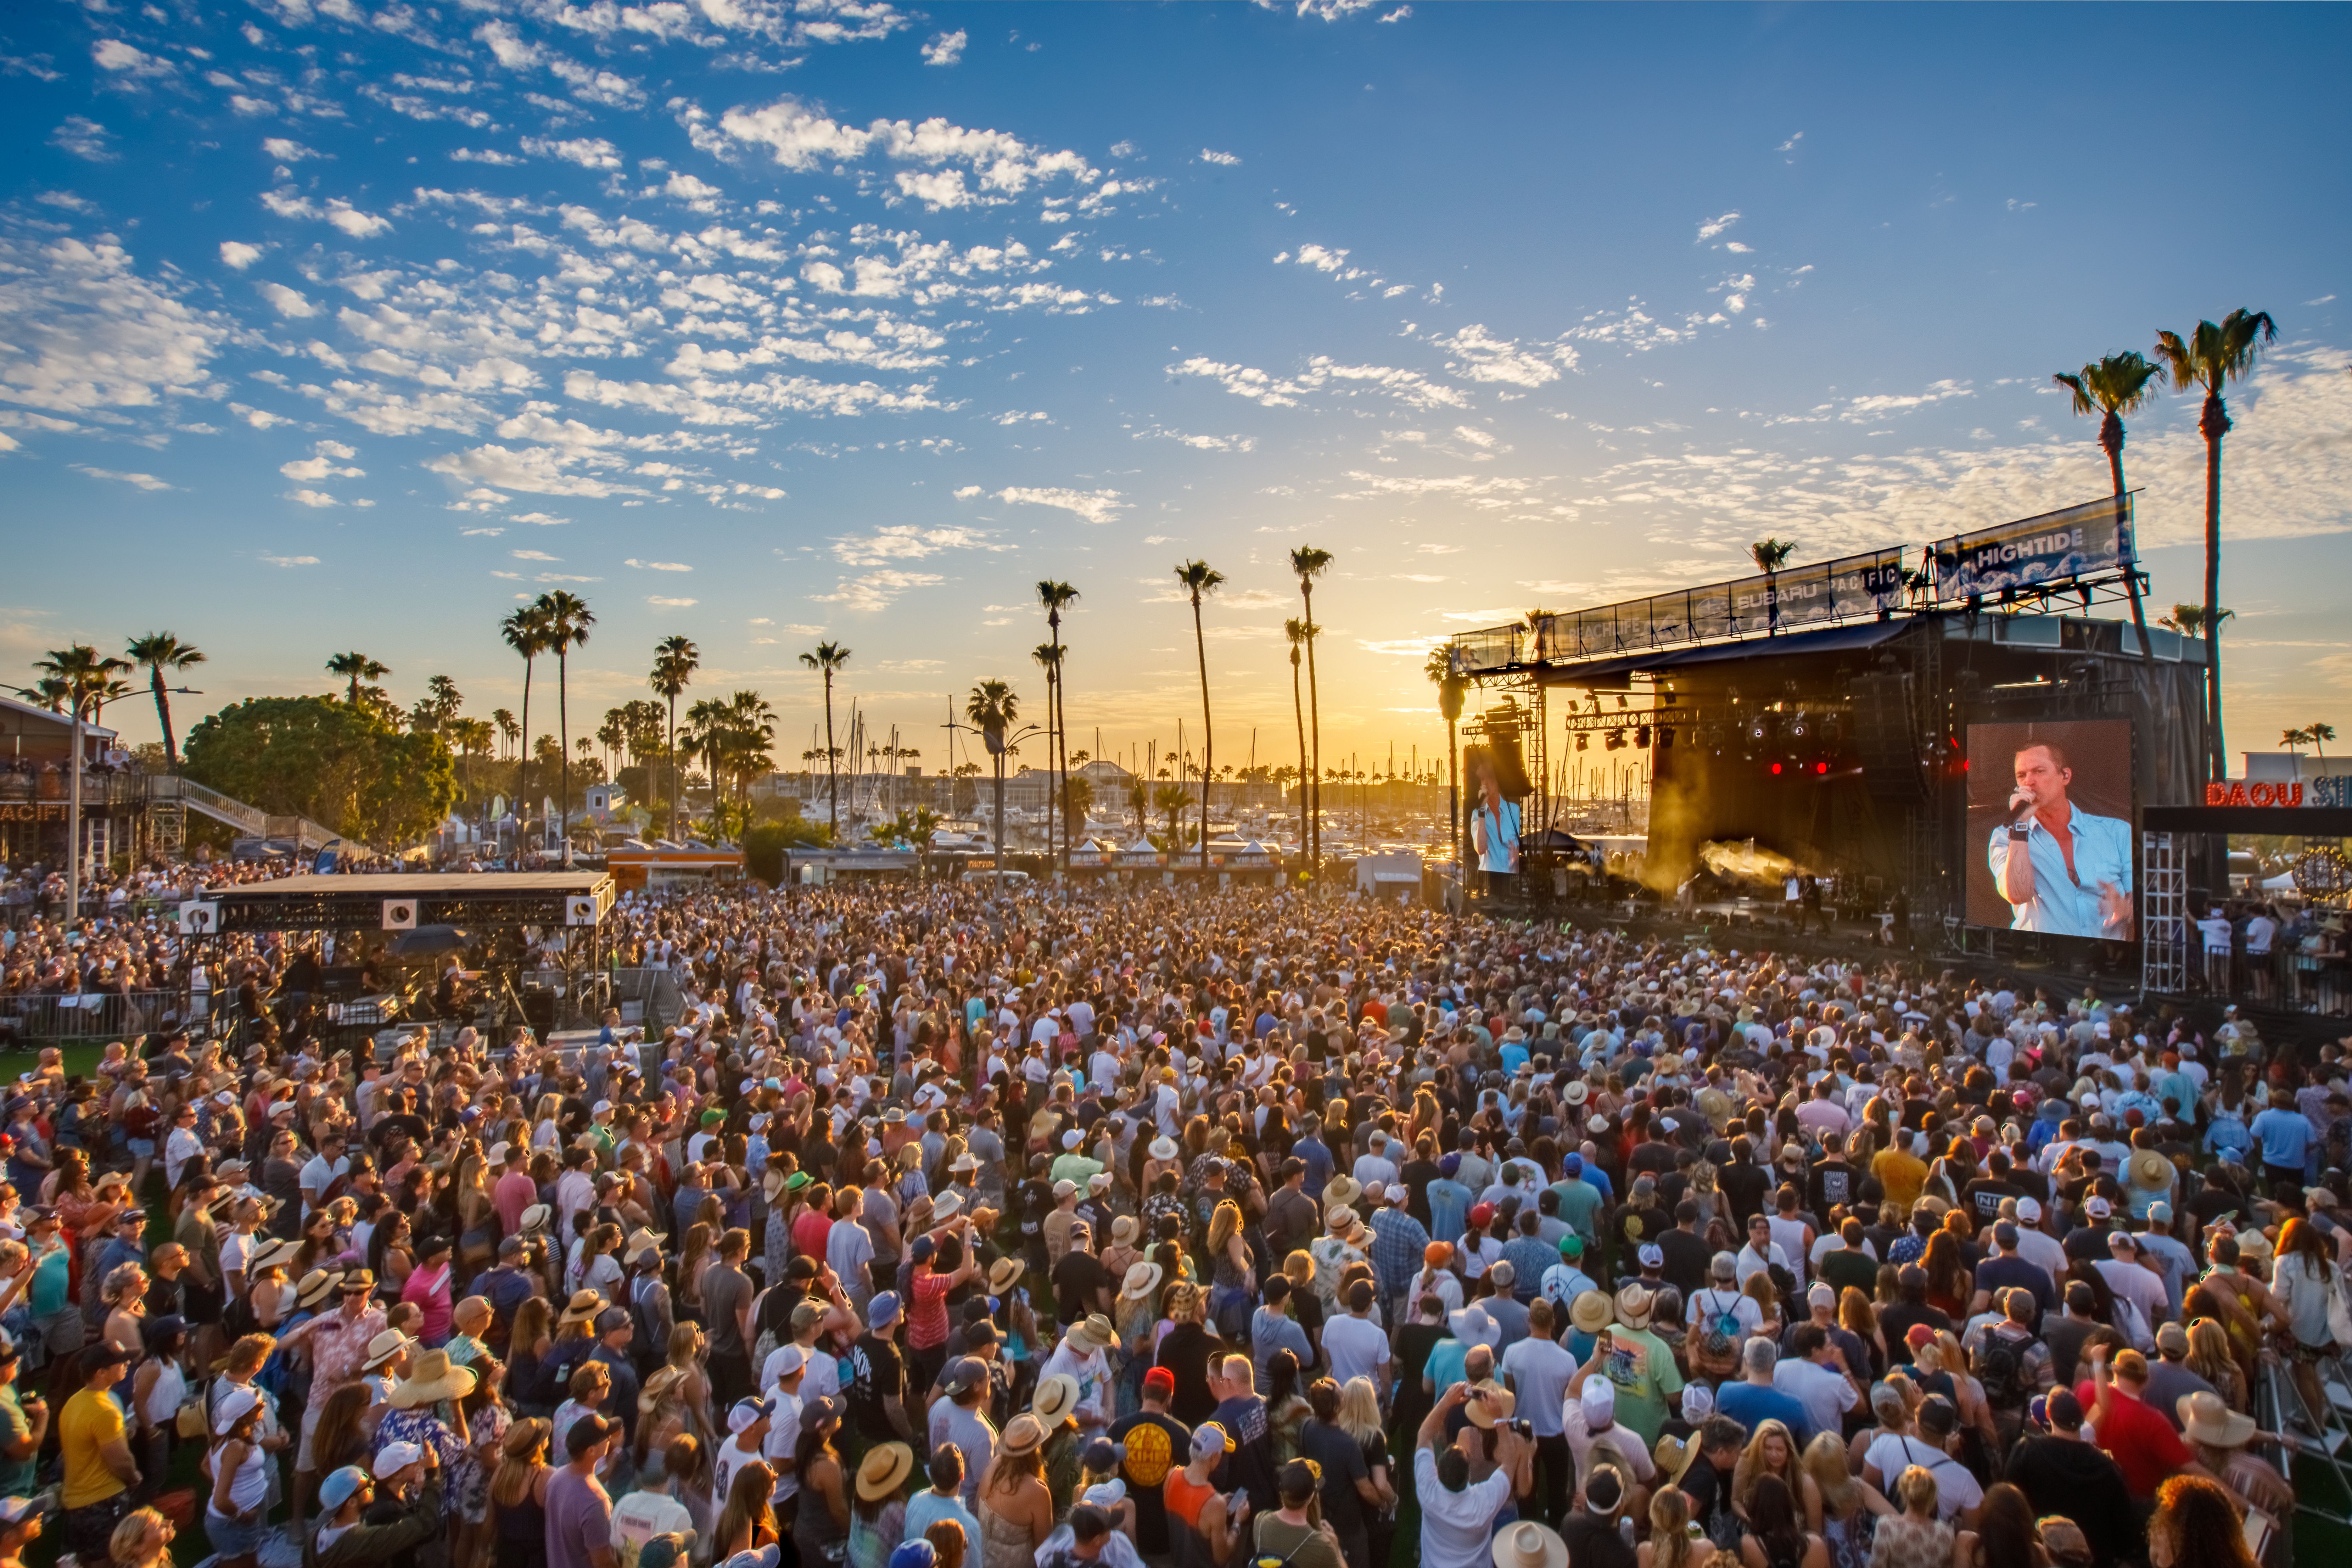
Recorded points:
(1776, 768)
(1821, 767)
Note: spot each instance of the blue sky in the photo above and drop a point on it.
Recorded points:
(344, 324)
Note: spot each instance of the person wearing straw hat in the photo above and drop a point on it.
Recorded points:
(1530, 1545)
(2220, 1435)
(1082, 1357)
(1458, 1514)
(1014, 1508)
(877, 1519)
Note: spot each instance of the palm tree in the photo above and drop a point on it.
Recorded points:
(443, 698)
(509, 732)
(568, 619)
(2189, 620)
(613, 734)
(1057, 597)
(1196, 578)
(705, 723)
(2116, 385)
(2212, 357)
(160, 652)
(525, 631)
(752, 731)
(1049, 658)
(1300, 635)
(1309, 564)
(85, 681)
(357, 667)
(2319, 735)
(1078, 800)
(993, 707)
(2294, 739)
(675, 658)
(829, 657)
(1171, 799)
(1440, 669)
(1770, 555)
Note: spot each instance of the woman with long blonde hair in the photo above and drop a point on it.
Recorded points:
(694, 1260)
(687, 1344)
(2209, 1358)
(1674, 1542)
(1843, 1509)
(1231, 1278)
(1858, 1315)
(1772, 1451)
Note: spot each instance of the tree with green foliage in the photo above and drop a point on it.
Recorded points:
(160, 652)
(334, 763)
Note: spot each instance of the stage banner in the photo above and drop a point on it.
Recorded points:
(2056, 547)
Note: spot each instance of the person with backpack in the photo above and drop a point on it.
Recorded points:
(1720, 1318)
(2012, 1362)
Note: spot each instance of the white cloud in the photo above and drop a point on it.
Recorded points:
(801, 139)
(1322, 374)
(353, 222)
(1486, 493)
(489, 155)
(534, 555)
(1319, 258)
(292, 560)
(1201, 443)
(967, 491)
(87, 332)
(1092, 506)
(287, 301)
(286, 150)
(671, 604)
(1210, 155)
(311, 498)
(320, 464)
(144, 482)
(240, 255)
(539, 470)
(1481, 357)
(658, 565)
(84, 138)
(904, 542)
(1714, 227)
(114, 55)
(588, 152)
(1399, 15)
(946, 50)
(877, 590)
(1861, 410)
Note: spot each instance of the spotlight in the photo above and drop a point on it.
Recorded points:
(1821, 767)
(1642, 736)
(1759, 729)
(1615, 741)
(1775, 770)
(1665, 737)
(1584, 741)
(1800, 727)
(1620, 699)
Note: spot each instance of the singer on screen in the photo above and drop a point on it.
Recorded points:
(2062, 869)
(1494, 829)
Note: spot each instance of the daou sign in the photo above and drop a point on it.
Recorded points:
(2332, 791)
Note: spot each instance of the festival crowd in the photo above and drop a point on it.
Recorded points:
(947, 1226)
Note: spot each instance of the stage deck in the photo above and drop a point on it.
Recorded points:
(399, 900)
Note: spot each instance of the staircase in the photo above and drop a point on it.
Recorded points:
(171, 796)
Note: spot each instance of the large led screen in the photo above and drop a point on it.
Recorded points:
(2050, 842)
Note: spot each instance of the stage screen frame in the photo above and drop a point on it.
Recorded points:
(2098, 784)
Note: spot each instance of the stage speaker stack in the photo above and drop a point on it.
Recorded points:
(1883, 736)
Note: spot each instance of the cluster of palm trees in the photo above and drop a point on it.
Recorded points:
(2207, 360)
(554, 623)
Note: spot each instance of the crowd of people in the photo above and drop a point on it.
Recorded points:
(952, 1225)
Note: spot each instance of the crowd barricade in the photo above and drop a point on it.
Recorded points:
(41, 1019)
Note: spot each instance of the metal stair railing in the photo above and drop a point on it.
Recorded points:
(250, 819)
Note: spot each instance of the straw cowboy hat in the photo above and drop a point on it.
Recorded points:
(1340, 1192)
(1490, 1405)
(1343, 1221)
(1164, 1148)
(536, 1217)
(1002, 1273)
(272, 1254)
(641, 1241)
(316, 1287)
(947, 1207)
(659, 1388)
(2207, 1419)
(2150, 1172)
(1673, 1456)
(1022, 1434)
(1633, 1306)
(1577, 1092)
(1096, 1328)
(1530, 1545)
(1142, 1279)
(1123, 1230)
(431, 1380)
(770, 1184)
(385, 1349)
(584, 1305)
(1057, 1396)
(884, 1469)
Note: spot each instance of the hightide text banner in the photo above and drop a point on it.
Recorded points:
(2057, 547)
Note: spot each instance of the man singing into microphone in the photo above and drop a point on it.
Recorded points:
(2062, 869)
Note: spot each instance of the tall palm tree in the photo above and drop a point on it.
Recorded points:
(568, 619)
(2212, 357)
(160, 652)
(1049, 658)
(675, 658)
(751, 732)
(1057, 597)
(525, 631)
(1440, 669)
(1770, 555)
(706, 724)
(826, 660)
(356, 668)
(1309, 563)
(2319, 735)
(1300, 635)
(85, 681)
(1198, 578)
(2112, 388)
(993, 707)
(509, 730)
(2294, 741)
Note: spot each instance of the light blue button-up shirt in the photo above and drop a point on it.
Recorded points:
(2066, 903)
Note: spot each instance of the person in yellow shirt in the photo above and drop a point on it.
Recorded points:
(1901, 1173)
(98, 1470)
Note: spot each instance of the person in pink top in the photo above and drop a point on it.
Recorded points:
(427, 1288)
(515, 1190)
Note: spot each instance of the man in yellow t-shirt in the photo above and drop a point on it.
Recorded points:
(98, 1470)
(1900, 1171)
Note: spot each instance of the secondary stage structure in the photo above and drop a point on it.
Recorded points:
(1823, 712)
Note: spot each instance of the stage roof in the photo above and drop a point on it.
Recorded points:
(398, 901)
(1829, 639)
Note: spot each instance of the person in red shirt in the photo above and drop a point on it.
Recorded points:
(2133, 1433)
(943, 1259)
